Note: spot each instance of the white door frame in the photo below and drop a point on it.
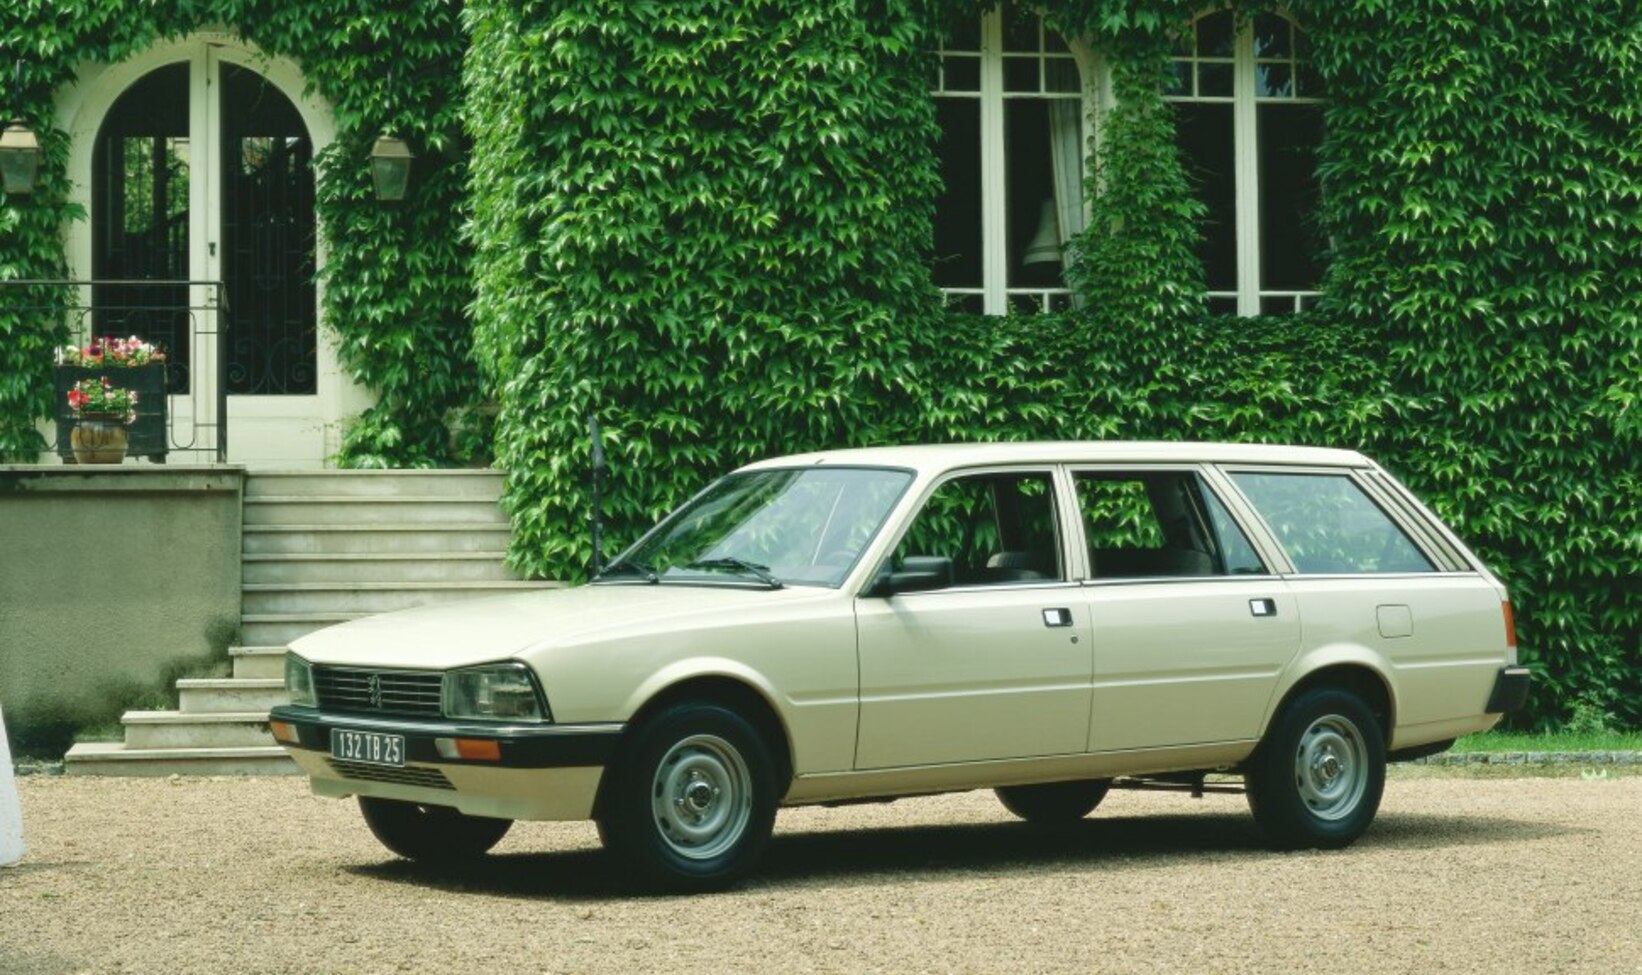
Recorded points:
(265, 431)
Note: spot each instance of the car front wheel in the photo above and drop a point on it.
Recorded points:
(1054, 802)
(691, 803)
(431, 834)
(1316, 780)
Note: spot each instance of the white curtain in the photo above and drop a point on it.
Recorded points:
(1066, 154)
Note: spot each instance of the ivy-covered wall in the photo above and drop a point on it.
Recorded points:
(708, 221)
(397, 278)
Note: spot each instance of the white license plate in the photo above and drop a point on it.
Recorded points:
(368, 747)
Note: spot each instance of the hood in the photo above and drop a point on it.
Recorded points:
(477, 631)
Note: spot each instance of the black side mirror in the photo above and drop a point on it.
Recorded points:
(918, 573)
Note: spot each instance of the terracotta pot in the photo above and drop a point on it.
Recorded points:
(100, 439)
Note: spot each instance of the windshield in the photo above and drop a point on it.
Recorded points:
(802, 526)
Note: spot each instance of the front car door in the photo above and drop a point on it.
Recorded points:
(993, 662)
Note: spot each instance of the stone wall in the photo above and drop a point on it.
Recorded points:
(113, 581)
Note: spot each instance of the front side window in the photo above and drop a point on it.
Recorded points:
(1009, 101)
(1147, 524)
(1248, 111)
(800, 527)
(989, 529)
(1327, 525)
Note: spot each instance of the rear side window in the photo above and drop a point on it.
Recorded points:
(1327, 524)
(1150, 524)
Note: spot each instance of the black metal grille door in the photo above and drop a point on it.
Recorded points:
(139, 217)
(267, 239)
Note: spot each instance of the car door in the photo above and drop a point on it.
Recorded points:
(1191, 624)
(992, 660)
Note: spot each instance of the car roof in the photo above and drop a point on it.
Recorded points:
(929, 458)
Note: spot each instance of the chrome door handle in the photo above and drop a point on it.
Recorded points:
(1263, 607)
(1057, 617)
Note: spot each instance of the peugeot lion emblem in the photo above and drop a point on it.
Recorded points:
(375, 690)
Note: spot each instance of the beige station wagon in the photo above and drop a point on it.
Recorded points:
(1050, 620)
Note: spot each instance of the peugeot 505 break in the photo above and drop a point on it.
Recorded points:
(1048, 620)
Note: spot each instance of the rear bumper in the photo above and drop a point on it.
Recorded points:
(543, 771)
(1510, 690)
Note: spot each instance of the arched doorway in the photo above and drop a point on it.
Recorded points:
(195, 161)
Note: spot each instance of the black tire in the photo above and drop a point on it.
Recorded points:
(431, 834)
(1054, 802)
(690, 803)
(1317, 779)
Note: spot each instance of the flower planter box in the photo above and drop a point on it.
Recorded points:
(147, 432)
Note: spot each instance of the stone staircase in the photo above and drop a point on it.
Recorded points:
(319, 547)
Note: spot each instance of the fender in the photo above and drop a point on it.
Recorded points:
(1323, 657)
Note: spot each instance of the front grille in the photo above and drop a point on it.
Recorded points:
(427, 778)
(367, 691)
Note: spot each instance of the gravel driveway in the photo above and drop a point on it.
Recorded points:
(256, 875)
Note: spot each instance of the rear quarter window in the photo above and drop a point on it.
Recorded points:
(1326, 524)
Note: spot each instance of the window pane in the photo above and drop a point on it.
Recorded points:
(1271, 37)
(960, 73)
(1289, 240)
(1214, 35)
(964, 34)
(1061, 75)
(1205, 134)
(1326, 524)
(958, 211)
(1273, 81)
(1214, 80)
(1033, 244)
(1021, 74)
(1020, 29)
(1237, 555)
(1144, 525)
(995, 529)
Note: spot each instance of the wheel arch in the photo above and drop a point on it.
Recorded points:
(737, 694)
(1355, 674)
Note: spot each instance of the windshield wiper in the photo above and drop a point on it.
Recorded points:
(630, 565)
(733, 564)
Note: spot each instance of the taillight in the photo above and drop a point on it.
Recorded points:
(1510, 629)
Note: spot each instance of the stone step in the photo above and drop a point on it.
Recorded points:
(322, 509)
(268, 629)
(114, 758)
(383, 539)
(369, 597)
(217, 695)
(176, 729)
(252, 663)
(485, 484)
(341, 567)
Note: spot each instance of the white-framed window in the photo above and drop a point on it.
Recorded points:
(1249, 121)
(1010, 101)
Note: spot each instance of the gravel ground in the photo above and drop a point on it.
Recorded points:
(1459, 874)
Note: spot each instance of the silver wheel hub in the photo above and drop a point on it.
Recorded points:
(1331, 767)
(701, 797)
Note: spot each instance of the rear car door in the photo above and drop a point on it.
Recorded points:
(1192, 625)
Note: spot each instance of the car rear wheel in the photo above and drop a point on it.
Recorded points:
(1054, 802)
(691, 802)
(1317, 779)
(431, 834)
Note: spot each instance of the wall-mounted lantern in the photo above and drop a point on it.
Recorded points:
(19, 158)
(391, 167)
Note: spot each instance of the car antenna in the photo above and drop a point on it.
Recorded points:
(599, 467)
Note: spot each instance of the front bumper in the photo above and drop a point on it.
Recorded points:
(542, 772)
(1510, 690)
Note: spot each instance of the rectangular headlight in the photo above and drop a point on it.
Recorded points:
(496, 692)
(299, 681)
